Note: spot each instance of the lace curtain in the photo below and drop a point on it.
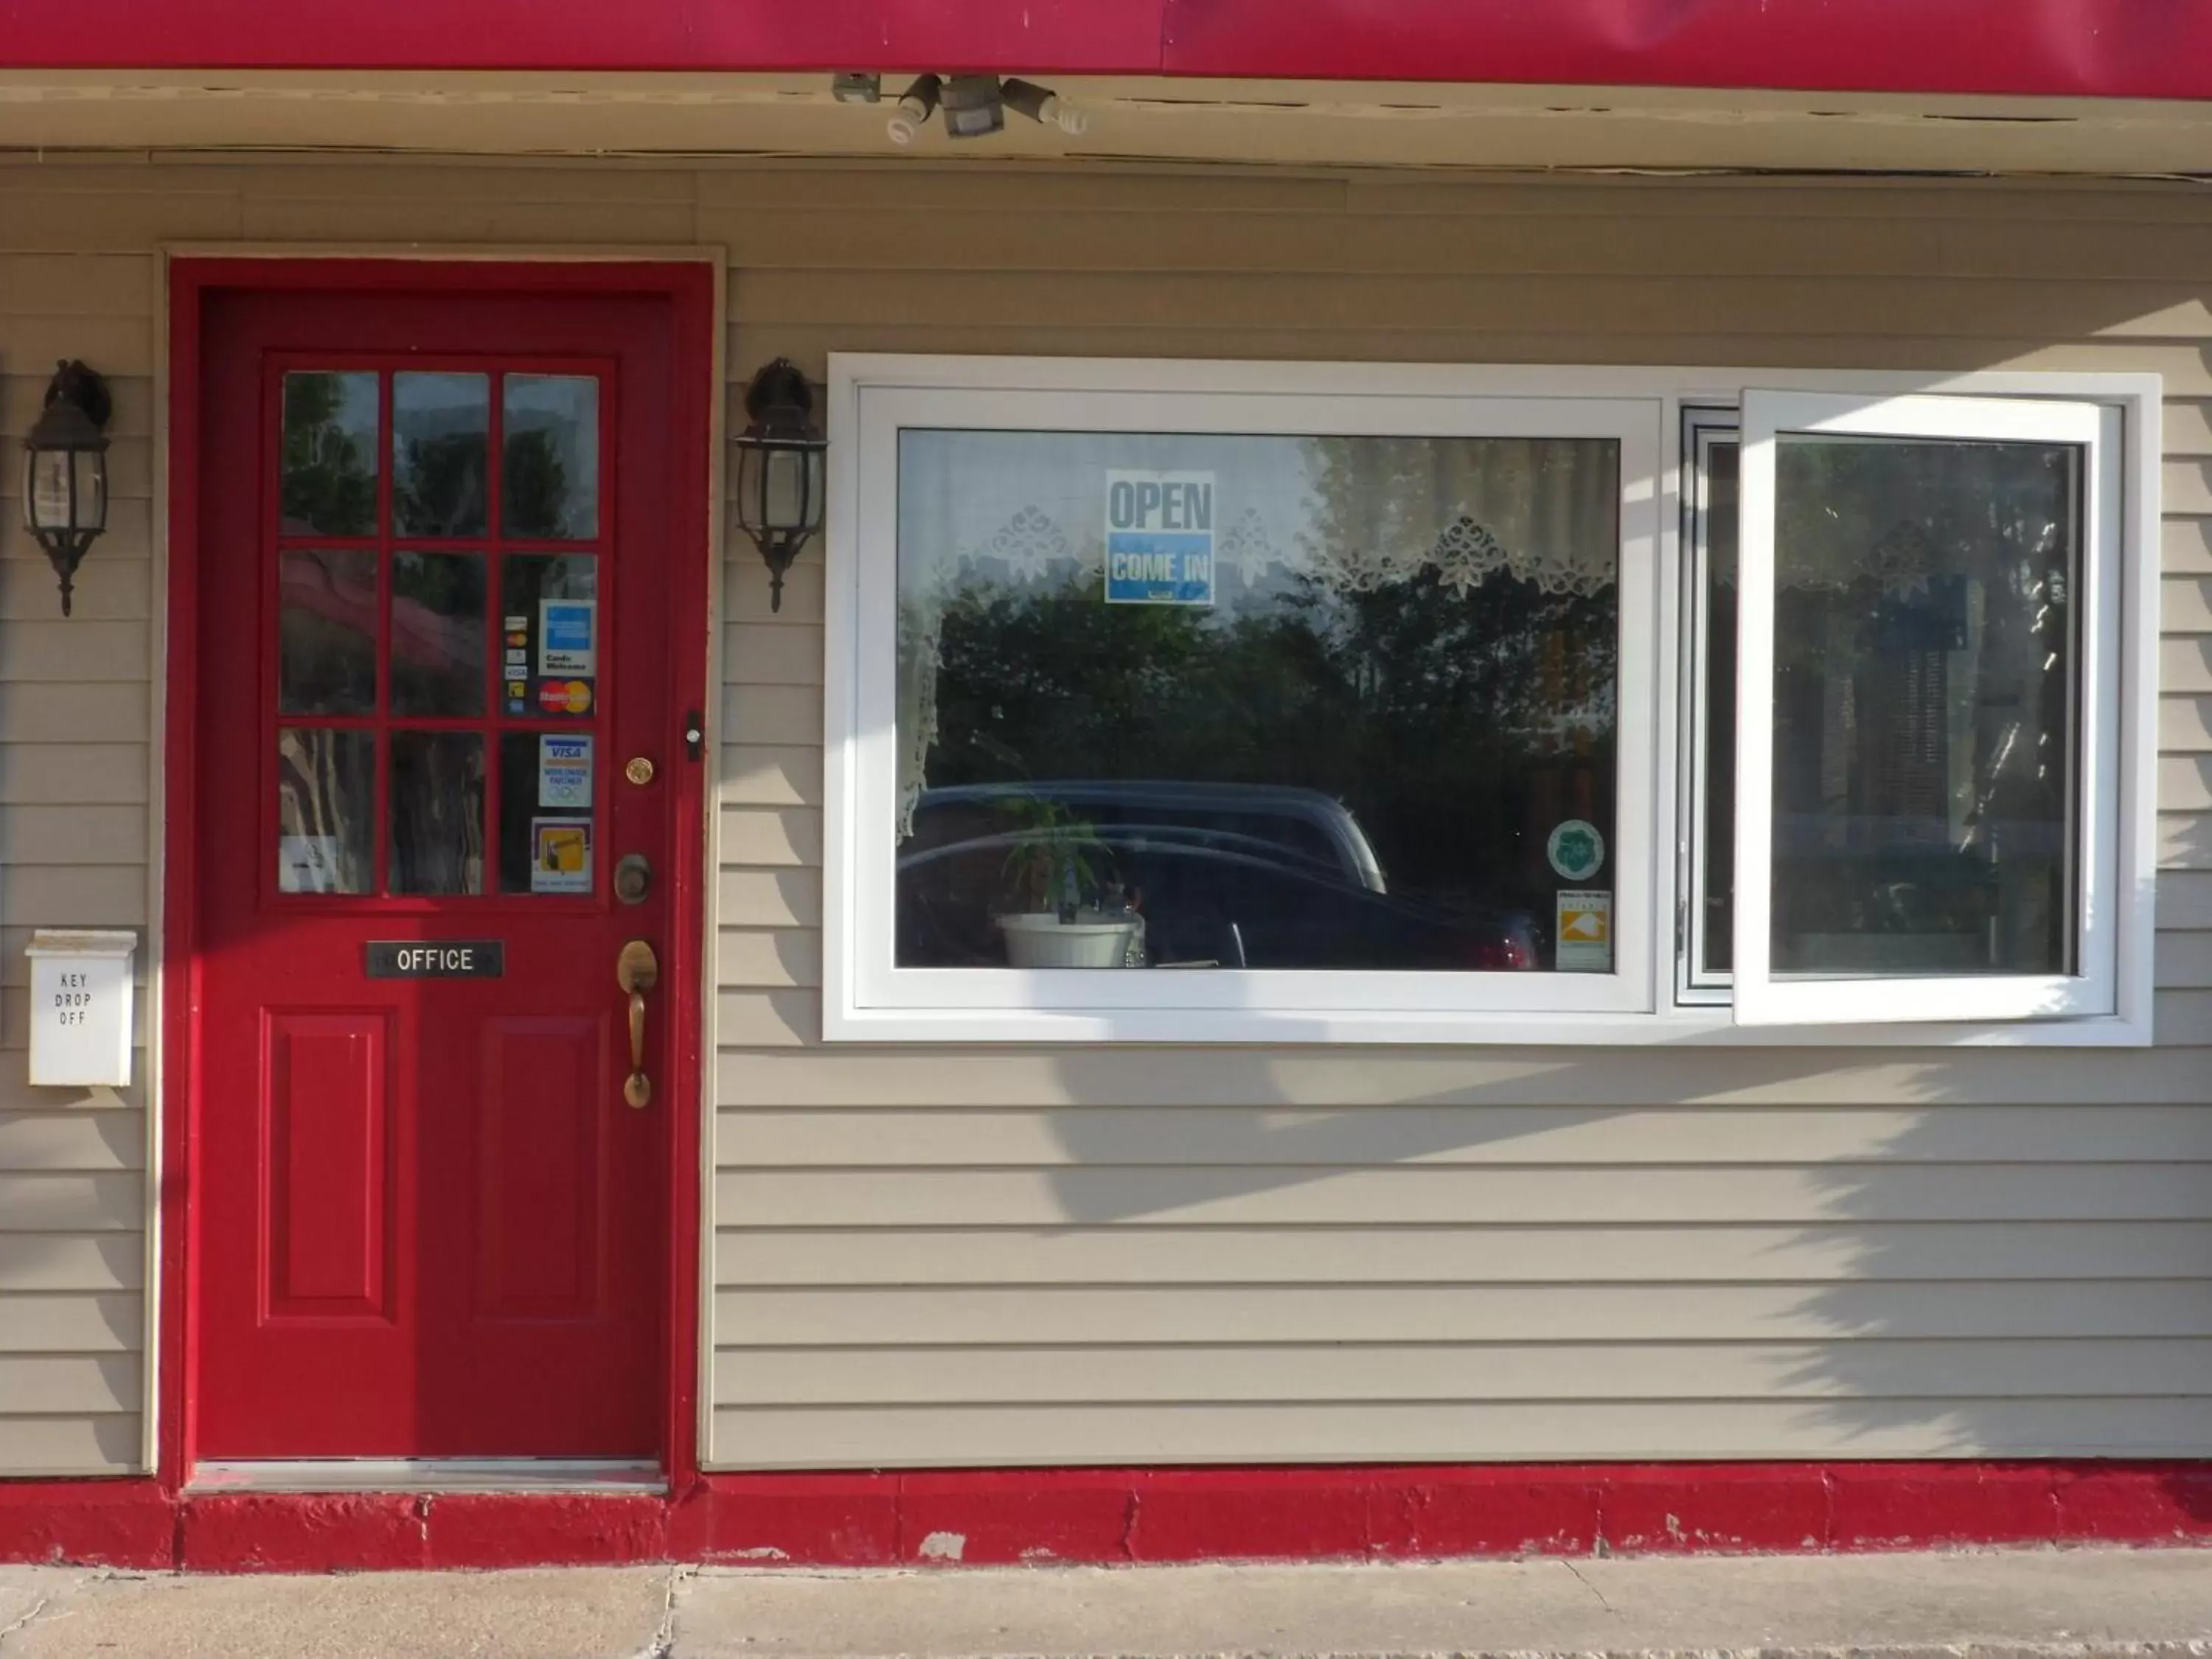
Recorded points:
(982, 512)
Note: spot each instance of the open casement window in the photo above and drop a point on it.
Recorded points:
(1927, 741)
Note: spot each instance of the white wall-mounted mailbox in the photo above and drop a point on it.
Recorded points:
(80, 1007)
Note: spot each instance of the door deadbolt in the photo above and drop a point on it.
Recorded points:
(633, 878)
(639, 771)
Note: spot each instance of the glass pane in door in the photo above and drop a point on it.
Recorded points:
(329, 479)
(437, 634)
(326, 810)
(547, 784)
(326, 618)
(437, 813)
(440, 432)
(550, 459)
(550, 626)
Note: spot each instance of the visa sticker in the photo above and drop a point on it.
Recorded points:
(564, 772)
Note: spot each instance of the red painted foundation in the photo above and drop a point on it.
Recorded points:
(1123, 1516)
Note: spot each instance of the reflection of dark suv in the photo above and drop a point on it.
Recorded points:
(1238, 875)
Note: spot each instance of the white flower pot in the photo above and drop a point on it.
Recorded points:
(1040, 940)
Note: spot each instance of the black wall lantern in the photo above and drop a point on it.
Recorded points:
(65, 471)
(782, 462)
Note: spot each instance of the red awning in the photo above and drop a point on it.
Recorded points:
(2038, 48)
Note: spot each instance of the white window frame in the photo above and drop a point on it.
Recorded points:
(1762, 998)
(866, 999)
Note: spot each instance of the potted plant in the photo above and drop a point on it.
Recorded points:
(1049, 869)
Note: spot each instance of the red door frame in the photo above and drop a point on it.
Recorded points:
(692, 289)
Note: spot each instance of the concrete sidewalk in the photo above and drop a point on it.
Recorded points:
(2075, 1605)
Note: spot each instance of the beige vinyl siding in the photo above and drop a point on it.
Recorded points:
(1086, 1255)
(1091, 1255)
(75, 784)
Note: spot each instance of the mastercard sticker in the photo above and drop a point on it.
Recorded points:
(564, 696)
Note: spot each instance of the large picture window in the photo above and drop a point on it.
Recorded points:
(1203, 702)
(1213, 702)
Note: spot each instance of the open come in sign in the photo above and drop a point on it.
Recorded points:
(1159, 538)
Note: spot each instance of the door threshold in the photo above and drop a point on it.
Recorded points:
(430, 1474)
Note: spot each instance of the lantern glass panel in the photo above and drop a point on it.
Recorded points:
(785, 482)
(818, 486)
(749, 489)
(91, 490)
(46, 489)
(64, 490)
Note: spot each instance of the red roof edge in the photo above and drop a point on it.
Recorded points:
(2151, 49)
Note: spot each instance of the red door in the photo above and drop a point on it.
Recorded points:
(440, 699)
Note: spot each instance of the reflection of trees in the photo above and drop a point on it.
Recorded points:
(1423, 628)
(325, 791)
(1458, 726)
(437, 813)
(437, 632)
(329, 472)
(439, 489)
(535, 484)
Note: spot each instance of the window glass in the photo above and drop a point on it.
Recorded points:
(546, 796)
(437, 813)
(1715, 847)
(1199, 701)
(326, 611)
(550, 460)
(437, 634)
(550, 632)
(329, 464)
(1924, 706)
(440, 426)
(325, 810)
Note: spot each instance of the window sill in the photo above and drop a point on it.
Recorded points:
(1707, 1027)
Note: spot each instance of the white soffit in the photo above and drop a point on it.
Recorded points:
(1295, 123)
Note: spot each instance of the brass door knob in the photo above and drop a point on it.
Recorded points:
(637, 971)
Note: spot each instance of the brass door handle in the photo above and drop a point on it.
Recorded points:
(637, 971)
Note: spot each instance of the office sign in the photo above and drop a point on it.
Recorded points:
(441, 958)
